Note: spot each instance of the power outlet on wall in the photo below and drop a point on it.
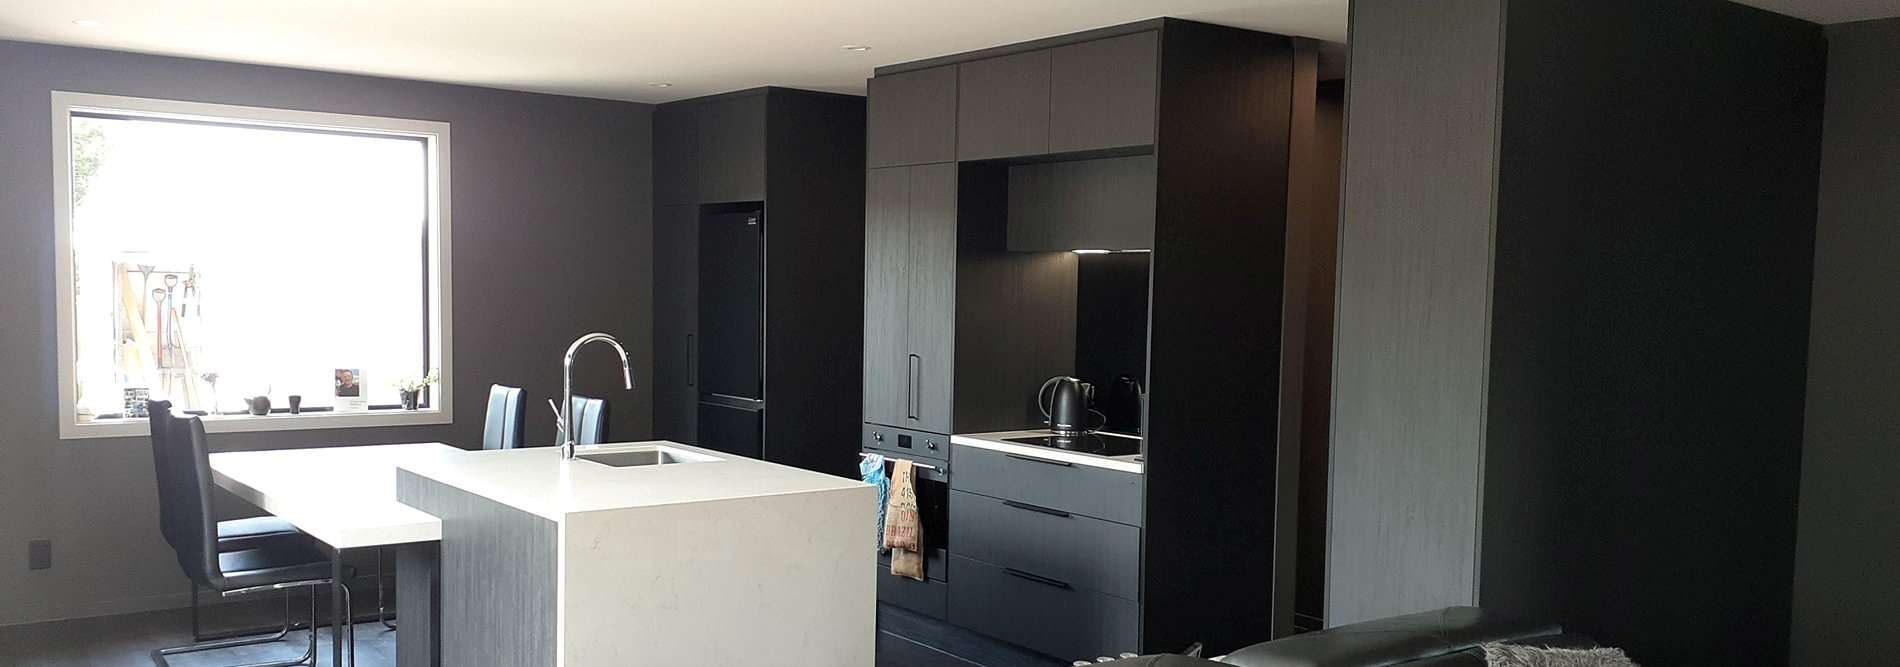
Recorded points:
(39, 555)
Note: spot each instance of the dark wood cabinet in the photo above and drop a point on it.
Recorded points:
(910, 248)
(801, 328)
(912, 118)
(1040, 612)
(886, 295)
(676, 154)
(1102, 93)
(931, 312)
(1003, 106)
(676, 310)
(731, 146)
(1097, 140)
(1106, 203)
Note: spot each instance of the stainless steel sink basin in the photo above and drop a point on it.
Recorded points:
(649, 455)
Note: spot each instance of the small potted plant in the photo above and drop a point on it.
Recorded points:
(411, 388)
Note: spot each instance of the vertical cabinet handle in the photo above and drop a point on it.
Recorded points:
(692, 362)
(913, 399)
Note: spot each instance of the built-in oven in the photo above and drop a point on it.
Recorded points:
(931, 468)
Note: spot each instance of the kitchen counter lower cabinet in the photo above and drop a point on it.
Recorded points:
(1044, 554)
(1041, 614)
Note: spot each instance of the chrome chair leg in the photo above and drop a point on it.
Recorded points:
(310, 653)
(349, 626)
(238, 641)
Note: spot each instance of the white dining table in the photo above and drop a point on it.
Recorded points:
(345, 498)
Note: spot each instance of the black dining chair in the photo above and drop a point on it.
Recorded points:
(507, 414)
(233, 535)
(283, 563)
(590, 420)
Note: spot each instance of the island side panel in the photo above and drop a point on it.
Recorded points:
(497, 571)
(787, 579)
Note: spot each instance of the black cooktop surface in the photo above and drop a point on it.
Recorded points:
(1093, 443)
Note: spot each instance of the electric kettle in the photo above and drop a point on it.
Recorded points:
(1066, 408)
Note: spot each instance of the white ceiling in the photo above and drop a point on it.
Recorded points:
(614, 48)
(1830, 11)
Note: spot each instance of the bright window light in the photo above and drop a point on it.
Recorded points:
(214, 260)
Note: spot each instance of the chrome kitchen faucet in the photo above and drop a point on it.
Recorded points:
(566, 429)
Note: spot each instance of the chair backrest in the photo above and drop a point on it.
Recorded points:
(590, 419)
(190, 496)
(507, 413)
(159, 414)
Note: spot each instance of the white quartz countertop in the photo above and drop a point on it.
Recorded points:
(536, 480)
(997, 442)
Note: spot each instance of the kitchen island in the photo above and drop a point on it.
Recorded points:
(651, 553)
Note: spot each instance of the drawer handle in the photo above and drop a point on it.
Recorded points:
(1036, 508)
(1033, 459)
(1038, 578)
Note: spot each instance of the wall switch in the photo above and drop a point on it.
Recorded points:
(39, 555)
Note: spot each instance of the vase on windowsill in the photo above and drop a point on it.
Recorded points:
(410, 389)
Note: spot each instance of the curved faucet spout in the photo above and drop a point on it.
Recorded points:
(566, 430)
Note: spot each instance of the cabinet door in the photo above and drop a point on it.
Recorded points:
(732, 149)
(676, 153)
(1102, 93)
(886, 294)
(931, 312)
(676, 311)
(1003, 107)
(911, 118)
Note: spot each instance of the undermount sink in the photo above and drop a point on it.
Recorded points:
(646, 455)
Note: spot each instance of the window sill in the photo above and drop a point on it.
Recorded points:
(313, 421)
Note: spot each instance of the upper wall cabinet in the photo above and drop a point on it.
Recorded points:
(732, 149)
(1003, 107)
(912, 118)
(676, 154)
(1103, 93)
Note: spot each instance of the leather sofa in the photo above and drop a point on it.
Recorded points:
(1449, 637)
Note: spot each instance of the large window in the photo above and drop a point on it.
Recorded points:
(210, 255)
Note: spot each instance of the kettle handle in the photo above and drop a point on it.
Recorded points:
(1043, 404)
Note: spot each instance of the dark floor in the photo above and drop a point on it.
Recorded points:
(129, 640)
(903, 640)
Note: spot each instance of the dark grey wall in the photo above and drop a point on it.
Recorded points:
(551, 234)
(1846, 588)
(1649, 323)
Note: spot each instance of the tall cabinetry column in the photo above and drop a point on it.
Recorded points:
(1573, 299)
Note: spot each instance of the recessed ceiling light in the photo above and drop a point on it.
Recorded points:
(89, 23)
(855, 47)
(660, 84)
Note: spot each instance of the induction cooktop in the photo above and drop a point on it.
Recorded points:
(1099, 444)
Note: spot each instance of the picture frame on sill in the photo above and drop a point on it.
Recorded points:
(349, 391)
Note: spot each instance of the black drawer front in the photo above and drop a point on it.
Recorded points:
(1041, 614)
(906, 442)
(1081, 489)
(929, 597)
(1087, 553)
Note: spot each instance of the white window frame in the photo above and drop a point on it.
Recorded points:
(435, 134)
